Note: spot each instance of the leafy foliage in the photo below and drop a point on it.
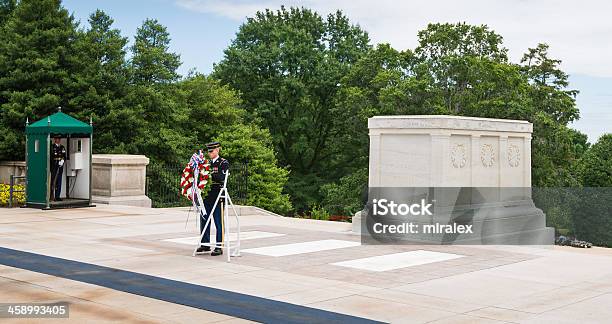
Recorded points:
(581, 212)
(595, 166)
(204, 110)
(295, 90)
(348, 196)
(36, 61)
(100, 85)
(6, 9)
(286, 65)
(459, 69)
(152, 62)
(591, 214)
(318, 213)
(554, 143)
(140, 106)
(266, 180)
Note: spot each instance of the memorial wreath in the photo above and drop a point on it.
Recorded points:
(197, 171)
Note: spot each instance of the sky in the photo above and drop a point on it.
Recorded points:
(579, 33)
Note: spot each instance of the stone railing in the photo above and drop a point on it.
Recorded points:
(8, 168)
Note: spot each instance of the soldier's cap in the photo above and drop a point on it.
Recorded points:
(212, 146)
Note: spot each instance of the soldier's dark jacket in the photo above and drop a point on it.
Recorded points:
(218, 170)
(58, 153)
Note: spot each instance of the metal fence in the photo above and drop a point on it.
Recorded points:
(12, 191)
(163, 184)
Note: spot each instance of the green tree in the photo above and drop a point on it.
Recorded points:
(198, 108)
(591, 210)
(100, 85)
(266, 180)
(592, 204)
(203, 110)
(158, 135)
(152, 62)
(440, 41)
(207, 107)
(211, 111)
(6, 9)
(287, 65)
(595, 167)
(584, 209)
(554, 152)
(155, 98)
(456, 69)
(549, 85)
(367, 90)
(370, 88)
(468, 73)
(35, 65)
(459, 69)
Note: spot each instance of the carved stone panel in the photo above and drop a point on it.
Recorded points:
(458, 156)
(514, 156)
(487, 155)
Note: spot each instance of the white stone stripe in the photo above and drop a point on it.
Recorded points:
(397, 260)
(300, 248)
(248, 235)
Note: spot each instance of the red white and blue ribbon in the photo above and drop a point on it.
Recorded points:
(197, 166)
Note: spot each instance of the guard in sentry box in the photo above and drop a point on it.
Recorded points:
(58, 156)
(219, 167)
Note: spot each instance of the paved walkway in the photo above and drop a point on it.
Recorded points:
(304, 262)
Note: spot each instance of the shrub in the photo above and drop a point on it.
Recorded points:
(266, 180)
(591, 215)
(319, 213)
(18, 197)
(348, 195)
(583, 213)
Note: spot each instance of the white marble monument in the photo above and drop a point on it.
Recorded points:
(449, 151)
(458, 152)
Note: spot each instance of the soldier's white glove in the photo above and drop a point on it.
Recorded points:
(61, 163)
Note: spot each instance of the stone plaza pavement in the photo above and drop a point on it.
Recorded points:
(329, 270)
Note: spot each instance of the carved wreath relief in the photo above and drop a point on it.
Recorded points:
(487, 155)
(514, 156)
(458, 156)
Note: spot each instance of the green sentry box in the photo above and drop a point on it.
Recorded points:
(76, 185)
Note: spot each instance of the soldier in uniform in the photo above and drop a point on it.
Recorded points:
(219, 167)
(58, 156)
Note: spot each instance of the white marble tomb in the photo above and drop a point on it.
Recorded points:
(449, 151)
(492, 155)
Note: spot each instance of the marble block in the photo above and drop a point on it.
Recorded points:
(449, 151)
(119, 179)
(440, 152)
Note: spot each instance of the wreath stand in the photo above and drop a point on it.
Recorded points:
(225, 200)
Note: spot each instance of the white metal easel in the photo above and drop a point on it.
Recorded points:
(225, 199)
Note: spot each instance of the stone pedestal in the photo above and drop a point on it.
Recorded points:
(120, 180)
(456, 152)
